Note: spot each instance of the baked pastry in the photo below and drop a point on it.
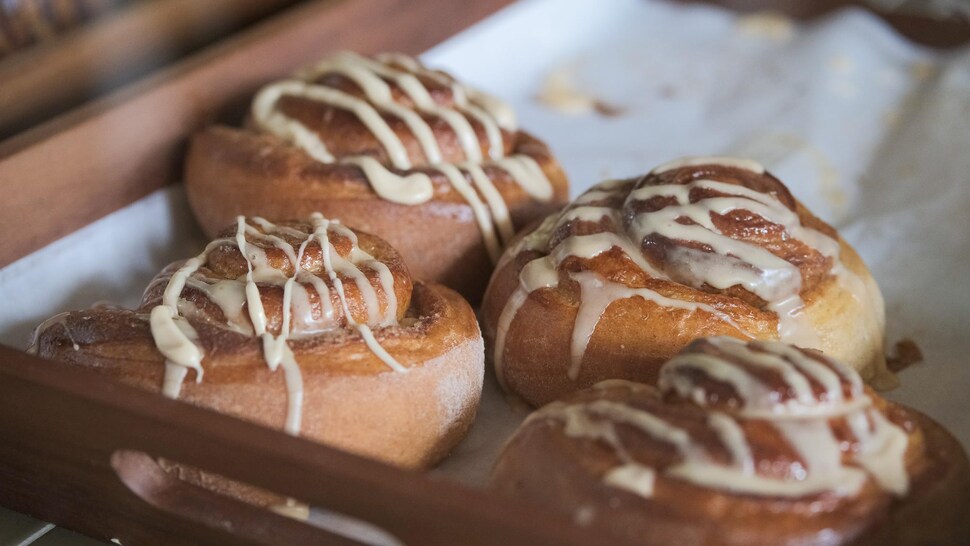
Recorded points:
(743, 444)
(338, 346)
(436, 168)
(633, 270)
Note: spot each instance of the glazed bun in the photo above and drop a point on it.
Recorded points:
(757, 443)
(438, 169)
(633, 270)
(307, 326)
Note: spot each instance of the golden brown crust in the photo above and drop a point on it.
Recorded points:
(564, 470)
(634, 335)
(352, 399)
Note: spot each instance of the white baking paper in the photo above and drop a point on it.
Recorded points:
(870, 131)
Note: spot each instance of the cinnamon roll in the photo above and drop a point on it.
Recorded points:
(437, 168)
(307, 326)
(632, 270)
(743, 443)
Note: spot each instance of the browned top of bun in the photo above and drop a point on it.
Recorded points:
(344, 134)
(226, 262)
(622, 208)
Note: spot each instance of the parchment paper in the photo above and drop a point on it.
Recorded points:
(871, 132)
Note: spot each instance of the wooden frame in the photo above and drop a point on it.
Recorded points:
(64, 72)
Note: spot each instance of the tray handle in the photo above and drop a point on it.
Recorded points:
(78, 450)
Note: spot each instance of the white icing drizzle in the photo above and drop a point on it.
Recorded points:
(528, 174)
(497, 110)
(330, 258)
(795, 368)
(499, 210)
(535, 275)
(636, 478)
(597, 294)
(482, 213)
(366, 113)
(827, 464)
(230, 296)
(178, 344)
(60, 318)
(178, 341)
(731, 261)
(693, 161)
(413, 187)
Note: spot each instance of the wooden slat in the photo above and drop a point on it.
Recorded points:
(69, 433)
(65, 174)
(66, 71)
(922, 29)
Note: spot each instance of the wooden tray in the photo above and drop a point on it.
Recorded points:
(77, 450)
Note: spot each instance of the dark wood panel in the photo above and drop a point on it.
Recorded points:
(68, 70)
(920, 28)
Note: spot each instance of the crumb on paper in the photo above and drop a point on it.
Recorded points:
(516, 404)
(560, 93)
(842, 63)
(668, 91)
(891, 117)
(922, 70)
(767, 25)
(292, 509)
(904, 354)
(584, 515)
(844, 89)
(606, 109)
